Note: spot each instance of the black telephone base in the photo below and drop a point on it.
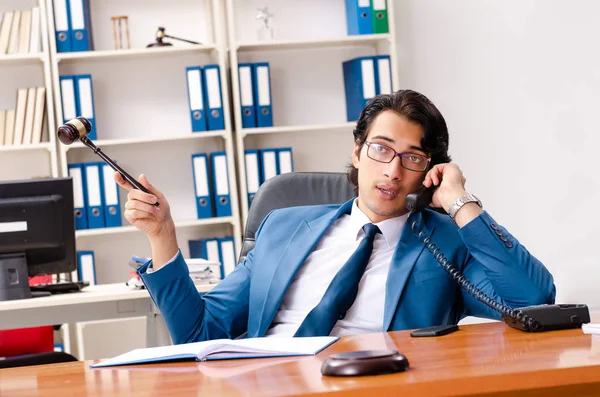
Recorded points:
(551, 317)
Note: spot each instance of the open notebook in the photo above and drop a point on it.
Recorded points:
(224, 349)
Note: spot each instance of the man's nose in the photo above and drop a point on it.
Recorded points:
(393, 169)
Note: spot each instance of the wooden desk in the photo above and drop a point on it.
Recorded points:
(483, 359)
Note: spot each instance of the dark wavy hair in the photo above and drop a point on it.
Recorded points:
(414, 107)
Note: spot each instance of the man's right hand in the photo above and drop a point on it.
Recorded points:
(140, 210)
(155, 221)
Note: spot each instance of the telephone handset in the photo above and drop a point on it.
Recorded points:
(78, 129)
(532, 318)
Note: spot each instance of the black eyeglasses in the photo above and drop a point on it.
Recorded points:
(385, 154)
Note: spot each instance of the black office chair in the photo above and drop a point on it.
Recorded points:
(292, 190)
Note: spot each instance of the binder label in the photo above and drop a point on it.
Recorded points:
(92, 175)
(77, 18)
(212, 86)
(368, 78)
(270, 165)
(385, 81)
(228, 256)
(364, 3)
(252, 172)
(61, 23)
(264, 97)
(195, 89)
(378, 5)
(212, 251)
(221, 180)
(67, 89)
(75, 173)
(110, 187)
(200, 174)
(285, 162)
(246, 86)
(85, 98)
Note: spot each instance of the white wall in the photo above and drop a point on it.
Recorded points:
(519, 85)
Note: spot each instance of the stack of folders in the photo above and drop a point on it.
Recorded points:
(365, 78)
(263, 164)
(203, 272)
(215, 250)
(20, 32)
(24, 125)
(255, 95)
(86, 267)
(77, 95)
(367, 16)
(204, 98)
(73, 25)
(211, 184)
(95, 196)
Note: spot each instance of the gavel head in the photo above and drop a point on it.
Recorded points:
(73, 130)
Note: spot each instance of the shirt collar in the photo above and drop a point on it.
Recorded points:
(390, 228)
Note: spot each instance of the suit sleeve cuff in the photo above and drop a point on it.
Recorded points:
(175, 268)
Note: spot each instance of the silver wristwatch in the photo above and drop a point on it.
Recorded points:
(468, 198)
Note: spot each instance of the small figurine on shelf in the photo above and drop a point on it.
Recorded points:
(265, 31)
(119, 24)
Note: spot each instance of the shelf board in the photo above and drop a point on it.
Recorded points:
(129, 229)
(21, 58)
(30, 147)
(317, 43)
(116, 142)
(133, 52)
(298, 128)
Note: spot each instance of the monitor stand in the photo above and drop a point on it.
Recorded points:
(14, 279)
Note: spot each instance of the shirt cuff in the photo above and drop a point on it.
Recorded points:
(149, 269)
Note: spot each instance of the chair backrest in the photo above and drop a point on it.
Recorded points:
(292, 190)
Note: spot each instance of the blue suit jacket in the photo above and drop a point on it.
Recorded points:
(418, 292)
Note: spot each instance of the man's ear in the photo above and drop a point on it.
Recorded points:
(356, 155)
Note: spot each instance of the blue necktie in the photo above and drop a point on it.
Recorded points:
(342, 291)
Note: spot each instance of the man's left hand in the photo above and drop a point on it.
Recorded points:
(451, 182)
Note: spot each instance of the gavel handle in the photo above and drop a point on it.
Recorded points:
(87, 142)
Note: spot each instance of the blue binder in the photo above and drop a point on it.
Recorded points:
(86, 267)
(68, 94)
(214, 102)
(112, 205)
(227, 252)
(359, 17)
(196, 98)
(222, 198)
(62, 26)
(269, 161)
(383, 75)
(359, 85)
(262, 94)
(94, 202)
(85, 101)
(285, 160)
(78, 177)
(253, 171)
(81, 25)
(202, 186)
(246, 72)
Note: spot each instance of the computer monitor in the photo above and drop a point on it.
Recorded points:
(37, 232)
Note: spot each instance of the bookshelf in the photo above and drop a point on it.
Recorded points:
(22, 70)
(305, 57)
(134, 89)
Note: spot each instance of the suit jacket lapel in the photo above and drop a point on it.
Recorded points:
(405, 257)
(299, 247)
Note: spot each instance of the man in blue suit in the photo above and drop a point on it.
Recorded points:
(355, 267)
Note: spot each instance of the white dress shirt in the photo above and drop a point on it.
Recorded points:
(321, 266)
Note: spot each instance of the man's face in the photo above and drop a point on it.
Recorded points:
(382, 187)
